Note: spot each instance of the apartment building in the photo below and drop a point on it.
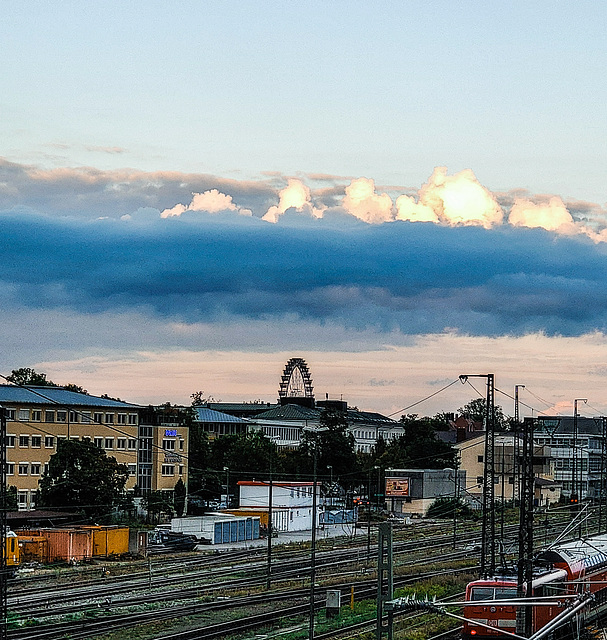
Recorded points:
(39, 417)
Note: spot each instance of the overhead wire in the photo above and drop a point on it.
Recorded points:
(424, 399)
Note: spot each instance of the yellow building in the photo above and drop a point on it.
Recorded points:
(38, 417)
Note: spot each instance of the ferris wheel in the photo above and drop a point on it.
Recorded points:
(296, 380)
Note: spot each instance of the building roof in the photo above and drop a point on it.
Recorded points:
(369, 417)
(209, 415)
(565, 425)
(57, 396)
(290, 412)
(242, 409)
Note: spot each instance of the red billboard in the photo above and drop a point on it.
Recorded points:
(397, 486)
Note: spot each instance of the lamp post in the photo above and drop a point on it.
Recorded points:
(227, 470)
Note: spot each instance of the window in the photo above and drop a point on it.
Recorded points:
(479, 458)
(132, 418)
(181, 468)
(46, 467)
(73, 416)
(37, 441)
(122, 418)
(121, 443)
(85, 417)
(10, 468)
(24, 414)
(61, 416)
(75, 438)
(10, 414)
(98, 418)
(181, 443)
(132, 469)
(49, 416)
(86, 439)
(109, 443)
(168, 445)
(24, 441)
(132, 443)
(10, 441)
(49, 442)
(22, 499)
(36, 415)
(168, 469)
(479, 480)
(35, 468)
(109, 418)
(23, 468)
(98, 442)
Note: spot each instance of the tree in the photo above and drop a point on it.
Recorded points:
(444, 508)
(76, 388)
(419, 447)
(199, 399)
(477, 410)
(26, 376)
(11, 498)
(335, 446)
(179, 497)
(156, 503)
(82, 476)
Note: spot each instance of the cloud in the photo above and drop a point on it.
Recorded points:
(401, 277)
(362, 201)
(212, 201)
(551, 215)
(296, 195)
(455, 200)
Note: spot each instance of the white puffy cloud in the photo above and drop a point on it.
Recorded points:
(552, 215)
(296, 195)
(362, 201)
(212, 201)
(459, 199)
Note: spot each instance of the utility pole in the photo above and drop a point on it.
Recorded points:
(525, 546)
(456, 496)
(517, 419)
(385, 579)
(488, 529)
(3, 510)
(313, 547)
(270, 531)
(576, 489)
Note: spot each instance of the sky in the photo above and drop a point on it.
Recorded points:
(400, 193)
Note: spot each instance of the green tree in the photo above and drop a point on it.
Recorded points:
(11, 498)
(27, 376)
(335, 446)
(179, 495)
(477, 410)
(81, 476)
(157, 503)
(419, 447)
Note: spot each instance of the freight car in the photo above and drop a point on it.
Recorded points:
(570, 569)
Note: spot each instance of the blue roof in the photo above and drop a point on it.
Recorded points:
(209, 415)
(10, 394)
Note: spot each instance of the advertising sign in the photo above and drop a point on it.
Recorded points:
(397, 486)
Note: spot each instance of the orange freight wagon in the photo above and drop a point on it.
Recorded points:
(109, 540)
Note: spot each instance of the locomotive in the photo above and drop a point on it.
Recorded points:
(566, 570)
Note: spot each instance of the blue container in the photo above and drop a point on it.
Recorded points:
(217, 533)
(249, 529)
(255, 528)
(226, 532)
(234, 531)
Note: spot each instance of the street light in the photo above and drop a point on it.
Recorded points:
(227, 470)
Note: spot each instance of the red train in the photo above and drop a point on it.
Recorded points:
(578, 567)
